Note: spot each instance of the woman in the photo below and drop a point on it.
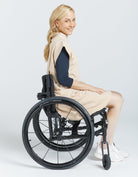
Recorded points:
(63, 65)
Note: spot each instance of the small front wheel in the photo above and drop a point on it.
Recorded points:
(106, 162)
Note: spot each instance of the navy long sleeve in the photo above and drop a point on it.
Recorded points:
(62, 67)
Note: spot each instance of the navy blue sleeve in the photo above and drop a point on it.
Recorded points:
(62, 67)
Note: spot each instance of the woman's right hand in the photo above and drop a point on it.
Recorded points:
(78, 85)
(98, 90)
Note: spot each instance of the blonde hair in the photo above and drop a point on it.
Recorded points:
(57, 14)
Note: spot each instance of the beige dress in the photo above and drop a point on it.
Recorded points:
(92, 101)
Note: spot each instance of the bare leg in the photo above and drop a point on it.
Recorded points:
(114, 106)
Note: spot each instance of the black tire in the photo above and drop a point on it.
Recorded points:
(81, 152)
(106, 162)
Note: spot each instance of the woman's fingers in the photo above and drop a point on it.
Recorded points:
(99, 90)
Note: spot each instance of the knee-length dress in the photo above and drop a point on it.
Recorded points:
(92, 101)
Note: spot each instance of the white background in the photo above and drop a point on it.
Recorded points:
(105, 41)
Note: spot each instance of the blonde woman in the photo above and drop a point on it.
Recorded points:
(63, 65)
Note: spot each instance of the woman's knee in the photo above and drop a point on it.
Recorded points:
(116, 99)
(119, 97)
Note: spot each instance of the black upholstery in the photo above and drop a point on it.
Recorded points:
(47, 87)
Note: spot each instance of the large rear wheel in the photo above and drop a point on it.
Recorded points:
(57, 148)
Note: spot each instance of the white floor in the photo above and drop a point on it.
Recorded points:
(14, 160)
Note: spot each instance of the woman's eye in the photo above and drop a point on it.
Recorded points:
(68, 20)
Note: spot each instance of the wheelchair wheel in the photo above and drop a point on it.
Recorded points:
(106, 162)
(55, 146)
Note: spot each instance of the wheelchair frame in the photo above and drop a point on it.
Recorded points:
(59, 127)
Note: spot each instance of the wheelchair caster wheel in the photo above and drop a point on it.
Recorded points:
(106, 162)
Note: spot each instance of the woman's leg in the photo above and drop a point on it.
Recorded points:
(114, 106)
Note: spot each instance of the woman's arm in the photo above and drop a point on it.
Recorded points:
(78, 85)
(62, 66)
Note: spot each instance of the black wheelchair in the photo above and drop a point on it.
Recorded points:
(56, 140)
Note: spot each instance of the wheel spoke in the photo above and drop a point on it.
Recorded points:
(45, 154)
(43, 125)
(36, 145)
(31, 132)
(46, 131)
(67, 149)
(44, 120)
(68, 113)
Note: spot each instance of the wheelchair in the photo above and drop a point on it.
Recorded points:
(51, 135)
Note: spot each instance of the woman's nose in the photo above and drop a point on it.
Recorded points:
(71, 24)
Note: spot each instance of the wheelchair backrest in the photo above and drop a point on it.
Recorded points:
(48, 85)
(47, 90)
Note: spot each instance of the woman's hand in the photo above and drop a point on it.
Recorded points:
(78, 85)
(98, 90)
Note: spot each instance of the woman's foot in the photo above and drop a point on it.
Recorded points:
(114, 155)
(124, 154)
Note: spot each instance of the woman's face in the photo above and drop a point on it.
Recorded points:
(66, 24)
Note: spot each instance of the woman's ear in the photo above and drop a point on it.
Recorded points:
(56, 23)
